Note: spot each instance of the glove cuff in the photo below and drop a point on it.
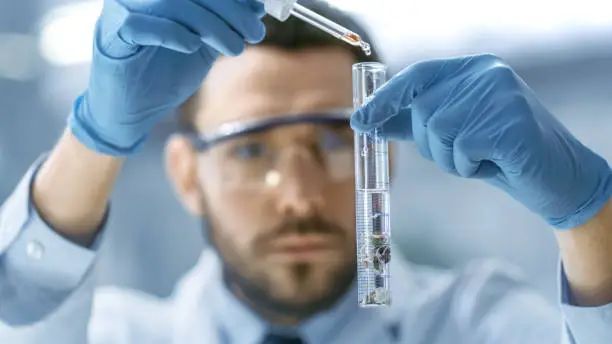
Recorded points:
(88, 136)
(593, 205)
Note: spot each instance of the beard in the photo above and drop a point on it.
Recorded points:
(313, 286)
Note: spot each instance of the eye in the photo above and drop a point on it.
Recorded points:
(250, 150)
(335, 139)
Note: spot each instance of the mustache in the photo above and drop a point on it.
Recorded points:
(303, 226)
(311, 225)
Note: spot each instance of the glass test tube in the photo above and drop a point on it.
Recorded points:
(372, 197)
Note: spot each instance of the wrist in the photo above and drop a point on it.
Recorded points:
(72, 188)
(586, 253)
(598, 174)
(106, 142)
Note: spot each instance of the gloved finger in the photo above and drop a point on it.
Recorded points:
(483, 138)
(240, 16)
(144, 30)
(428, 105)
(213, 31)
(443, 120)
(471, 158)
(516, 140)
(419, 132)
(257, 6)
(442, 130)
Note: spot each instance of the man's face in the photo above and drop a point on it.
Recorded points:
(280, 217)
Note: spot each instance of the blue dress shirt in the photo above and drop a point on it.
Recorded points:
(48, 295)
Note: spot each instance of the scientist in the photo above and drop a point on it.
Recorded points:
(267, 162)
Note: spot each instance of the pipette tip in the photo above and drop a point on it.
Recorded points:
(366, 48)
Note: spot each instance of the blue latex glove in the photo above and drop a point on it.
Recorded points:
(149, 56)
(475, 118)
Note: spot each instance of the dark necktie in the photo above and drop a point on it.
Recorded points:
(281, 339)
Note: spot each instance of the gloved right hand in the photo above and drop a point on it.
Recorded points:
(149, 56)
(476, 118)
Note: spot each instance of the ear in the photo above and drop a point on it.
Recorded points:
(181, 166)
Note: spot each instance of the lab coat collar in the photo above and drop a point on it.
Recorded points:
(222, 314)
(236, 322)
(324, 325)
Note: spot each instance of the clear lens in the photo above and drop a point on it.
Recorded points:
(265, 159)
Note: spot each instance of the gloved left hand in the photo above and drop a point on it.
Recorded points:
(475, 118)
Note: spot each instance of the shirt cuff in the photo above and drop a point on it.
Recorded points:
(34, 251)
(15, 211)
(585, 325)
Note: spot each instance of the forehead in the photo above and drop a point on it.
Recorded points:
(264, 82)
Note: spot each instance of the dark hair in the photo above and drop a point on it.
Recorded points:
(294, 34)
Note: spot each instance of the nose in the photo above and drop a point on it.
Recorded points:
(301, 191)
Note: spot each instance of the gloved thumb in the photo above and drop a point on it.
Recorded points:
(395, 98)
(396, 127)
(389, 108)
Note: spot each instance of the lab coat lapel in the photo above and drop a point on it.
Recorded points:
(192, 323)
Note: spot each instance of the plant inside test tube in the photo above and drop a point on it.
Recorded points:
(382, 251)
(376, 253)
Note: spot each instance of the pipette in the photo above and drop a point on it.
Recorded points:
(330, 27)
(283, 9)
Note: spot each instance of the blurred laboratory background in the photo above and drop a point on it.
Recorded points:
(562, 49)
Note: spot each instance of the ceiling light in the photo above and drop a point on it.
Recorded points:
(67, 33)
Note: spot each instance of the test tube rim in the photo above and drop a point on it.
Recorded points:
(370, 66)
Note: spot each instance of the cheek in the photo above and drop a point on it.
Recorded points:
(237, 215)
(340, 205)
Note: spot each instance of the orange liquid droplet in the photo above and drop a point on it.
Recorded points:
(354, 38)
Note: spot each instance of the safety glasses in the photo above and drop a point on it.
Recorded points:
(264, 153)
